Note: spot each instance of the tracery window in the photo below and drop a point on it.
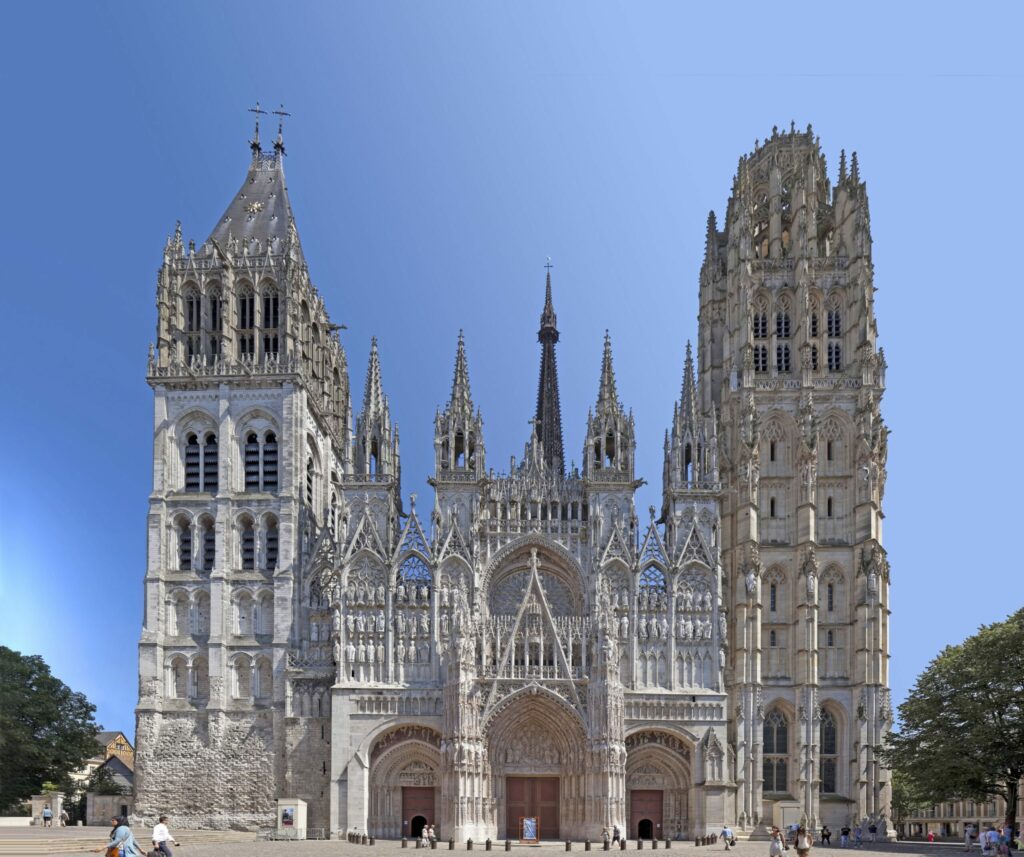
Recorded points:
(652, 580)
(773, 599)
(414, 570)
(760, 322)
(829, 752)
(310, 474)
(782, 325)
(776, 751)
(834, 323)
(760, 358)
(193, 322)
(214, 319)
(814, 324)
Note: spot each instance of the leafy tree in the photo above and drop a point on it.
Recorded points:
(963, 723)
(102, 782)
(47, 730)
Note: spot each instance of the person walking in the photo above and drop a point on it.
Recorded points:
(826, 836)
(425, 836)
(431, 835)
(616, 834)
(122, 841)
(605, 838)
(858, 837)
(969, 834)
(777, 845)
(844, 836)
(64, 817)
(727, 835)
(47, 816)
(804, 840)
(162, 837)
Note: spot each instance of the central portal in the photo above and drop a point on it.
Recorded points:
(535, 797)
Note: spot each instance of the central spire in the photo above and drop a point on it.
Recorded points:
(548, 421)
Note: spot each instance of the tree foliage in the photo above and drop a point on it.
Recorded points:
(963, 723)
(47, 730)
(102, 782)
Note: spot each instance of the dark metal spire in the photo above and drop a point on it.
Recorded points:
(548, 421)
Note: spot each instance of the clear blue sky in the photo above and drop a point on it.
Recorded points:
(438, 153)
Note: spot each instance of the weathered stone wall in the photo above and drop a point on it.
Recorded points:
(206, 769)
(307, 766)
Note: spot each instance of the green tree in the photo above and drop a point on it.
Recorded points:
(47, 730)
(102, 782)
(963, 723)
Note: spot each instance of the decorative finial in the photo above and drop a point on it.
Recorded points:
(254, 143)
(412, 502)
(854, 168)
(650, 510)
(842, 165)
(792, 126)
(279, 143)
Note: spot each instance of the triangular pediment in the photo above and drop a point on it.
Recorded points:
(454, 544)
(695, 549)
(617, 546)
(366, 538)
(413, 539)
(653, 548)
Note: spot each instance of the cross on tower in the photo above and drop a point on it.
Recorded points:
(548, 265)
(279, 143)
(254, 144)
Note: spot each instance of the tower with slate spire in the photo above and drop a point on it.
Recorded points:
(548, 419)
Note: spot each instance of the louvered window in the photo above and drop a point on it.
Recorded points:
(814, 324)
(185, 546)
(272, 547)
(309, 482)
(814, 356)
(246, 323)
(210, 464)
(252, 462)
(192, 463)
(248, 546)
(835, 357)
(209, 547)
(270, 462)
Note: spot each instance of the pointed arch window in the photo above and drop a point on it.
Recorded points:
(246, 324)
(829, 743)
(209, 546)
(834, 323)
(782, 325)
(260, 456)
(760, 323)
(252, 462)
(310, 479)
(830, 595)
(271, 322)
(193, 322)
(761, 358)
(775, 740)
(215, 323)
(773, 598)
(782, 358)
(193, 479)
(272, 545)
(652, 580)
(814, 356)
(814, 324)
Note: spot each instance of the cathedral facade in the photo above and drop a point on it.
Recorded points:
(529, 644)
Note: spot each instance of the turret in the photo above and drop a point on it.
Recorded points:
(610, 446)
(458, 431)
(375, 451)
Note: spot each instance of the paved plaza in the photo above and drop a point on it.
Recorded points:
(33, 841)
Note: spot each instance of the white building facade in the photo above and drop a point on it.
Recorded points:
(531, 646)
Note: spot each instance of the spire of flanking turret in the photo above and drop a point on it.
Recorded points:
(548, 419)
(607, 396)
(461, 397)
(688, 398)
(373, 393)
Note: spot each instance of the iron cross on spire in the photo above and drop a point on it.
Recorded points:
(280, 113)
(548, 265)
(254, 143)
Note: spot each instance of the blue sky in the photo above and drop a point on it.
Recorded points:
(438, 154)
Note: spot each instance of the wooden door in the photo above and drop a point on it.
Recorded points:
(532, 796)
(646, 805)
(417, 809)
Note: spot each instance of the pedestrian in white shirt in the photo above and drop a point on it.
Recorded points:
(162, 837)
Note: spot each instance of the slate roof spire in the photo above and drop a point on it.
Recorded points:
(548, 420)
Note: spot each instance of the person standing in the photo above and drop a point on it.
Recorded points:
(968, 837)
(162, 837)
(605, 838)
(431, 835)
(64, 817)
(858, 837)
(47, 816)
(844, 836)
(804, 840)
(826, 836)
(616, 834)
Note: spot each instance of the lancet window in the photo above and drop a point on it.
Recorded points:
(776, 751)
(260, 455)
(829, 752)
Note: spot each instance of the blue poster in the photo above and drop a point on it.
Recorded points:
(529, 828)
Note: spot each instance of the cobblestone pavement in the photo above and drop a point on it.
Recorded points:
(34, 841)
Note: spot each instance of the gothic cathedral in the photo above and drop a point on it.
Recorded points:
(529, 645)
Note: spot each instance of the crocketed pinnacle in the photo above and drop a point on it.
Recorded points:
(461, 397)
(373, 392)
(688, 399)
(607, 395)
(548, 421)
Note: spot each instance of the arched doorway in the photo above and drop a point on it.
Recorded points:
(658, 784)
(537, 747)
(405, 765)
(416, 825)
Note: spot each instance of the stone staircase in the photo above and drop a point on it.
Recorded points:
(81, 840)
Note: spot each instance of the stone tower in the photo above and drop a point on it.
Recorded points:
(788, 359)
(535, 651)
